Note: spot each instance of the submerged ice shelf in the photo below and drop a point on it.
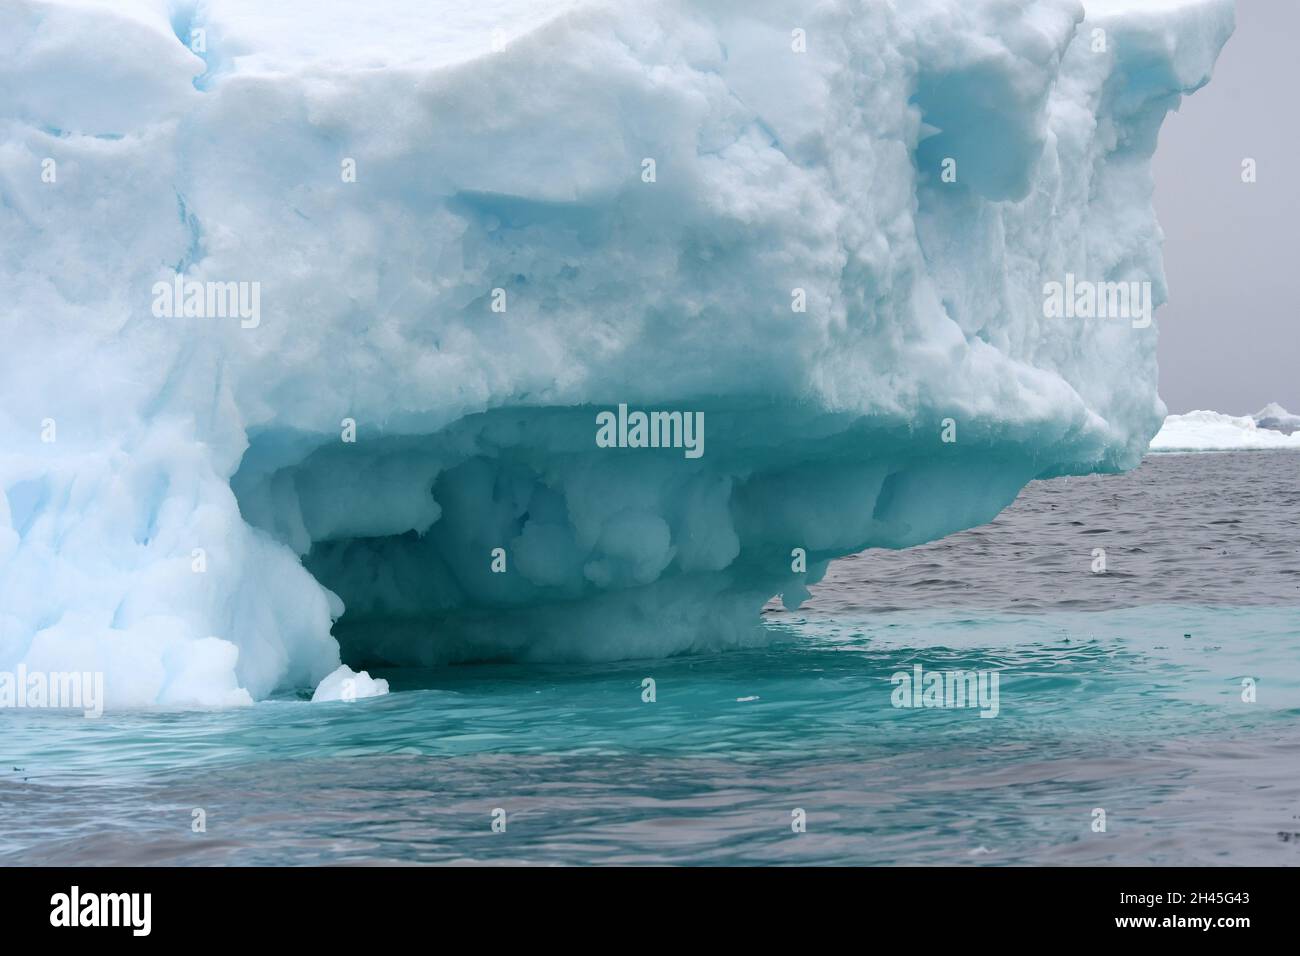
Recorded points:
(459, 239)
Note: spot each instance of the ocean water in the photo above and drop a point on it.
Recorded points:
(1164, 692)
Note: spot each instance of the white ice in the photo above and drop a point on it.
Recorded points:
(345, 684)
(1214, 431)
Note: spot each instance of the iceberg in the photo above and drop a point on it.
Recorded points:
(1277, 418)
(1213, 431)
(314, 313)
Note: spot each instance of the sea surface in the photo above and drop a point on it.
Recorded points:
(1161, 696)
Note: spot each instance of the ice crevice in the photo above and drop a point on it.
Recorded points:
(184, 508)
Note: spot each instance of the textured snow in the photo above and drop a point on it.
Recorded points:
(1214, 431)
(179, 509)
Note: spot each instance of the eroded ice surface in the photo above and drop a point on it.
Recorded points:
(179, 509)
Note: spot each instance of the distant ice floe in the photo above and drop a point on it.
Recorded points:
(1272, 427)
(1276, 417)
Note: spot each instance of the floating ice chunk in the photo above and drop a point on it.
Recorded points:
(348, 685)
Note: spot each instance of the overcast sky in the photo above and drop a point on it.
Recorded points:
(1230, 335)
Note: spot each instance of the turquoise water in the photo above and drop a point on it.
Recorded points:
(1133, 706)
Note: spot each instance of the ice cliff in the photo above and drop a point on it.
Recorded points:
(446, 238)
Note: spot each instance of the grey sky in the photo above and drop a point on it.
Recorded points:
(1229, 338)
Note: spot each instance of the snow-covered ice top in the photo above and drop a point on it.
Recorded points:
(468, 232)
